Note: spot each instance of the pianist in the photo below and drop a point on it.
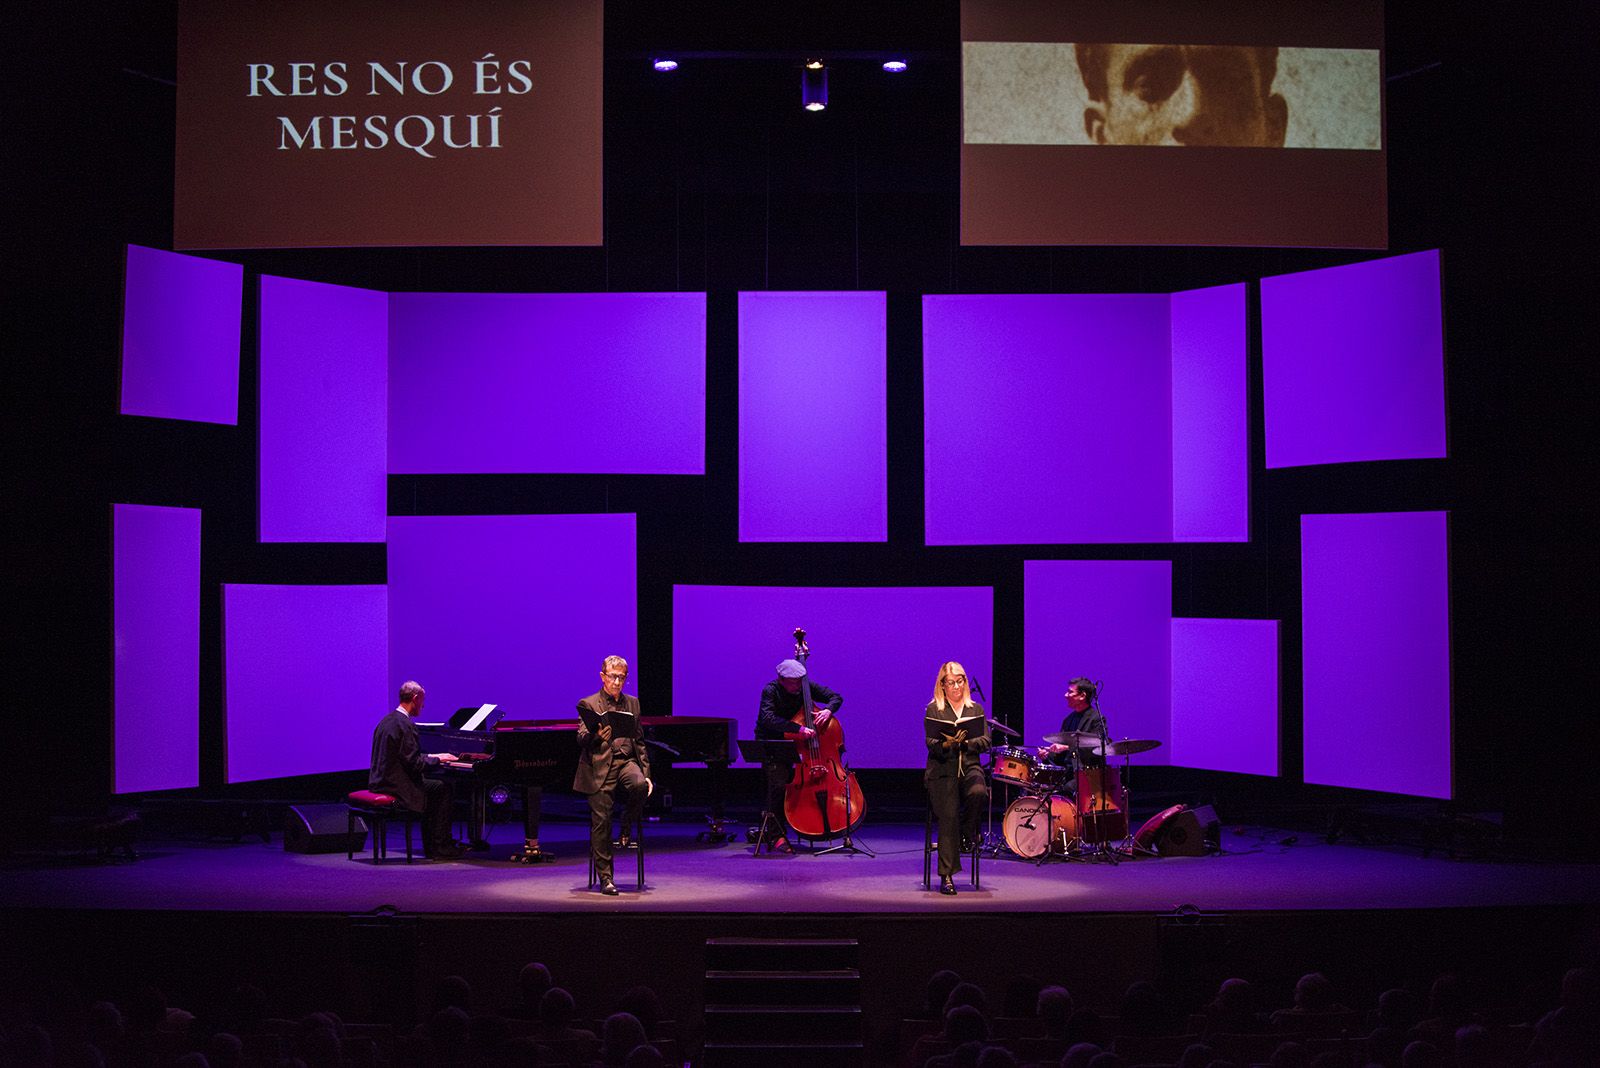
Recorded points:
(611, 759)
(397, 763)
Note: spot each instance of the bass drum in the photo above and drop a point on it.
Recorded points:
(1035, 824)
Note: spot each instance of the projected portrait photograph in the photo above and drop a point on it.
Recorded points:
(1187, 95)
(1219, 95)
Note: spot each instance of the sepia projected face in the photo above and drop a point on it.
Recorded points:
(1197, 95)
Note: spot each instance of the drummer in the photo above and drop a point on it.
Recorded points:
(1083, 716)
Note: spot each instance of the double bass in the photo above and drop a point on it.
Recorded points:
(823, 799)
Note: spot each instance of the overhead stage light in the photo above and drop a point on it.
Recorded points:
(664, 65)
(895, 66)
(814, 85)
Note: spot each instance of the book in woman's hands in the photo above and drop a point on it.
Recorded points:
(947, 728)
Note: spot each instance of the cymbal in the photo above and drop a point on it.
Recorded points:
(1130, 746)
(1075, 739)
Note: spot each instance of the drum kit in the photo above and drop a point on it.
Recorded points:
(1074, 811)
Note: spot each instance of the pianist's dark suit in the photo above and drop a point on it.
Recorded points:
(604, 769)
(397, 763)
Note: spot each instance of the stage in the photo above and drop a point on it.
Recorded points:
(1255, 871)
(321, 930)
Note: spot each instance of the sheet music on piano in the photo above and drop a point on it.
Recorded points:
(474, 719)
(471, 718)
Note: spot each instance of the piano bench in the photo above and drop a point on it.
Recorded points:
(377, 809)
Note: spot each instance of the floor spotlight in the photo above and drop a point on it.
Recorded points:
(895, 66)
(664, 65)
(814, 85)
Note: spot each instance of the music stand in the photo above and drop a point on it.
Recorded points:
(765, 751)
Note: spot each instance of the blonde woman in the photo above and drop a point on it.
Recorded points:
(958, 732)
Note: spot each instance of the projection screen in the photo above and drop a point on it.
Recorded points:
(1235, 122)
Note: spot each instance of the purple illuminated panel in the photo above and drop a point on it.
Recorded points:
(1353, 363)
(1225, 695)
(879, 647)
(180, 337)
(155, 620)
(550, 383)
(1375, 617)
(324, 354)
(813, 461)
(1210, 435)
(305, 678)
(517, 610)
(1108, 620)
(1048, 418)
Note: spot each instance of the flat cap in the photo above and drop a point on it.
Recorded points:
(791, 669)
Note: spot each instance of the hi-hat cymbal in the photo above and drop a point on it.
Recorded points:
(1075, 740)
(1130, 746)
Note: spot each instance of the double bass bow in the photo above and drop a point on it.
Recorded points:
(823, 799)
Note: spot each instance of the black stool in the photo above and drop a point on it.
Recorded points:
(377, 809)
(636, 841)
(930, 845)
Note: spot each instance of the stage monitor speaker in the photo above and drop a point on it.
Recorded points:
(1194, 832)
(1146, 838)
(321, 829)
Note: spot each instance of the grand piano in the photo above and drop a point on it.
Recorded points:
(534, 754)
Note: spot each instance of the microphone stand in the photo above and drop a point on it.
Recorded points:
(848, 845)
(993, 843)
(989, 842)
(1098, 802)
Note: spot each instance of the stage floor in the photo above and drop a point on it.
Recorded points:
(1255, 872)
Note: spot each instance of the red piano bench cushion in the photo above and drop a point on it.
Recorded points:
(371, 800)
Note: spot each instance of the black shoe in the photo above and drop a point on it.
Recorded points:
(780, 845)
(947, 885)
(446, 851)
(608, 888)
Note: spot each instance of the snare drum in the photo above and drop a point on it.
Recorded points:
(1034, 824)
(1012, 764)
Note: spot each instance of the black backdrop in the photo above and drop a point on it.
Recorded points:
(716, 180)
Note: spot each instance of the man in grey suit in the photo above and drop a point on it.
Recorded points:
(610, 760)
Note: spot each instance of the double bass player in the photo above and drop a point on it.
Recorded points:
(775, 718)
